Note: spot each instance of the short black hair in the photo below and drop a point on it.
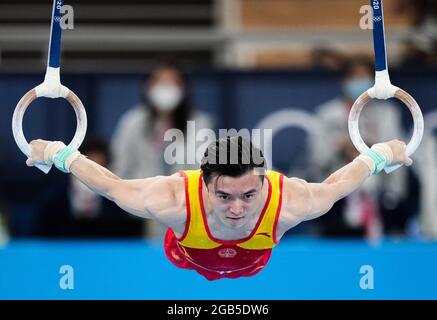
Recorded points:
(231, 156)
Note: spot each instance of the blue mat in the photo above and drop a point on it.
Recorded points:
(298, 269)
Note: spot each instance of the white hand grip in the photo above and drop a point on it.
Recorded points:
(17, 123)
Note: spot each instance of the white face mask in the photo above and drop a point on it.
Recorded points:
(165, 97)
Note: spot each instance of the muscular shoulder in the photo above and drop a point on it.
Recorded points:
(296, 202)
(167, 200)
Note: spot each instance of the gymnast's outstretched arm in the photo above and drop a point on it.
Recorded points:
(305, 201)
(161, 197)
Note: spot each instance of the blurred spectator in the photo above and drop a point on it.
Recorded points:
(4, 233)
(427, 168)
(73, 210)
(424, 12)
(420, 48)
(4, 227)
(415, 54)
(138, 143)
(382, 201)
(327, 59)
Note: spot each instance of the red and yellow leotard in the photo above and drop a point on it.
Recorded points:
(198, 250)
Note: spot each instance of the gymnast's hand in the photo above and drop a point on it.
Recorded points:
(399, 153)
(37, 152)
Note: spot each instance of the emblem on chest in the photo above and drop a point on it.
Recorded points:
(227, 253)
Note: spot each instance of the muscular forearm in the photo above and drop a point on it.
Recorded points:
(341, 183)
(140, 197)
(96, 177)
(337, 186)
(347, 179)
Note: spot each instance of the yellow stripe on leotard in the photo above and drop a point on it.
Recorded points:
(197, 236)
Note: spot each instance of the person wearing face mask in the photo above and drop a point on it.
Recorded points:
(73, 210)
(138, 142)
(381, 203)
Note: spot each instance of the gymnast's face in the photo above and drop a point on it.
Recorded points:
(235, 201)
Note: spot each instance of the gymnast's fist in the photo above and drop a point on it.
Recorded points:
(37, 153)
(399, 152)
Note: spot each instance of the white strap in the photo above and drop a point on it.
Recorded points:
(52, 87)
(383, 89)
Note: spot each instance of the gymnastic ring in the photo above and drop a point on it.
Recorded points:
(412, 105)
(17, 123)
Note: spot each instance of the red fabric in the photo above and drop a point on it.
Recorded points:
(225, 261)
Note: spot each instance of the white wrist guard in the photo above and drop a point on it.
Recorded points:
(377, 157)
(60, 155)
